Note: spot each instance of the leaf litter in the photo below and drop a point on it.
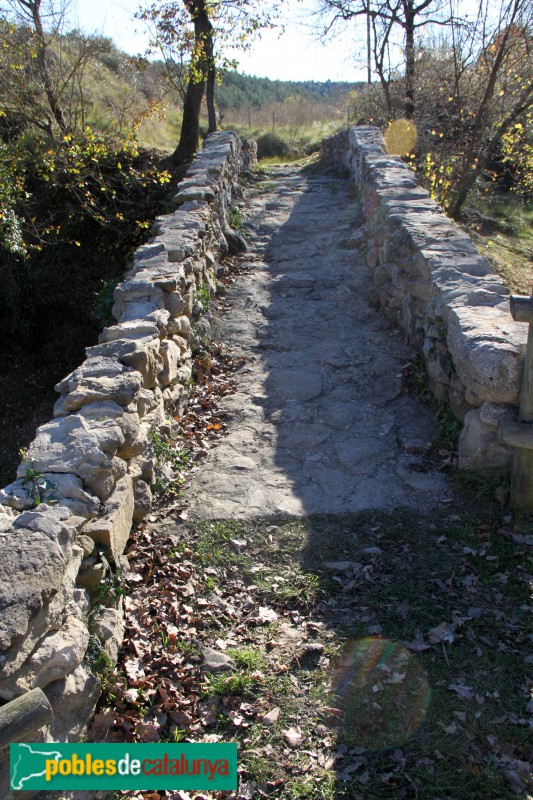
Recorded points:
(335, 688)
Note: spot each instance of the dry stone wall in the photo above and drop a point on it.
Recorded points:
(91, 468)
(432, 281)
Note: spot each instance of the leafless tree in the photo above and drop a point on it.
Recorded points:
(493, 87)
(389, 17)
(32, 14)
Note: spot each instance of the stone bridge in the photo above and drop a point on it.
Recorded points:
(349, 273)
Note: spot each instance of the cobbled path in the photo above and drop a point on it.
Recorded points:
(319, 423)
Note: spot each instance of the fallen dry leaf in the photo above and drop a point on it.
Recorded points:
(148, 730)
(416, 646)
(466, 692)
(104, 720)
(265, 615)
(442, 633)
(293, 737)
(238, 544)
(134, 669)
(271, 717)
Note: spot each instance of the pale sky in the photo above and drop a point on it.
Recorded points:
(292, 55)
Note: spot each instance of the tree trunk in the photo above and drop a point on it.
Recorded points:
(385, 88)
(202, 69)
(211, 79)
(368, 51)
(190, 125)
(469, 177)
(210, 99)
(41, 59)
(380, 51)
(409, 65)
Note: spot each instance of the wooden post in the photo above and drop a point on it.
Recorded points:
(21, 717)
(520, 436)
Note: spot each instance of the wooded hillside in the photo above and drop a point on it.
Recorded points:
(237, 91)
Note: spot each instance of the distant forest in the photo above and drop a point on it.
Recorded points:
(240, 91)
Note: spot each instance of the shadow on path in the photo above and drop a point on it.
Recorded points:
(319, 423)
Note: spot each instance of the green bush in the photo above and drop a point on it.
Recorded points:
(272, 144)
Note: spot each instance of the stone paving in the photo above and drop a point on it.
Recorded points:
(319, 423)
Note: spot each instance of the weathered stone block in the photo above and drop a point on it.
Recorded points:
(479, 447)
(100, 379)
(494, 413)
(149, 251)
(73, 700)
(183, 345)
(175, 304)
(86, 544)
(137, 288)
(68, 491)
(97, 367)
(148, 401)
(136, 329)
(420, 288)
(121, 389)
(194, 193)
(488, 352)
(108, 433)
(136, 310)
(54, 521)
(141, 355)
(108, 626)
(144, 466)
(67, 445)
(171, 359)
(160, 318)
(142, 498)
(112, 530)
(132, 442)
(176, 397)
(91, 575)
(17, 495)
(38, 570)
(58, 654)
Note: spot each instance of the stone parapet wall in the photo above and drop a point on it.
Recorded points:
(432, 281)
(87, 475)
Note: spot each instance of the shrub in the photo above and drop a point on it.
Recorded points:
(272, 144)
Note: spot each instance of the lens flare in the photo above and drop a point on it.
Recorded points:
(400, 137)
(381, 693)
